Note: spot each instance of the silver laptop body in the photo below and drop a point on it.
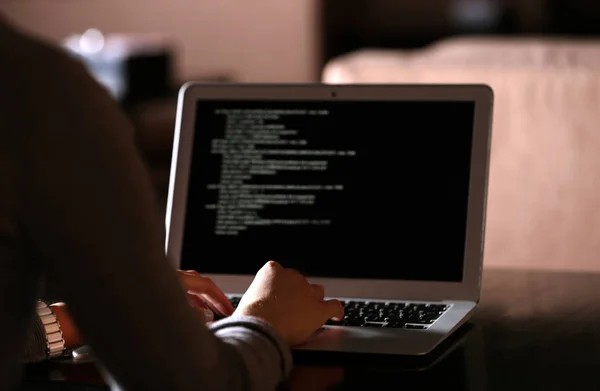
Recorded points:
(377, 192)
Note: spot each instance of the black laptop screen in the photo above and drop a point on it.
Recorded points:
(341, 189)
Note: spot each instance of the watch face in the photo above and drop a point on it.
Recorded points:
(83, 354)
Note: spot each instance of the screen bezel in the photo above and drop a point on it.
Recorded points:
(482, 95)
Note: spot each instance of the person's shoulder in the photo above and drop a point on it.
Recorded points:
(42, 78)
(30, 64)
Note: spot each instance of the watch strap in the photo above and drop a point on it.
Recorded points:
(55, 343)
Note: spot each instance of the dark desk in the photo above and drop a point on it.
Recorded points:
(532, 331)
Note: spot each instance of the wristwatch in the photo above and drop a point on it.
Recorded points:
(55, 343)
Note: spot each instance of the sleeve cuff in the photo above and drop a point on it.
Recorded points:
(264, 329)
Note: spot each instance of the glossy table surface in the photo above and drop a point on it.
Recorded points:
(533, 330)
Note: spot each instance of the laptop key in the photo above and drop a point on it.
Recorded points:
(356, 322)
(395, 325)
(235, 300)
(373, 324)
(419, 320)
(436, 307)
(415, 326)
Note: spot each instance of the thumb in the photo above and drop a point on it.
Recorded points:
(333, 309)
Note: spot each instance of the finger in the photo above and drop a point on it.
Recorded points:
(199, 304)
(209, 291)
(209, 316)
(216, 299)
(319, 291)
(224, 308)
(195, 301)
(333, 309)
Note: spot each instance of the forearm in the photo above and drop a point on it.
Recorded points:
(87, 183)
(256, 347)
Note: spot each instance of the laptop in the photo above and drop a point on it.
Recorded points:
(377, 192)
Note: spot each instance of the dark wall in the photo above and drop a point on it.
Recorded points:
(574, 17)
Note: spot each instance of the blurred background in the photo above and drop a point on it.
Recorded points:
(542, 58)
(275, 41)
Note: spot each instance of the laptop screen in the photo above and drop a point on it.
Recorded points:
(343, 189)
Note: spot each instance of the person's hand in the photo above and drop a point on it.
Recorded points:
(204, 295)
(287, 301)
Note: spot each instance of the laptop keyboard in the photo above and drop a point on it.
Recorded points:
(390, 315)
(395, 315)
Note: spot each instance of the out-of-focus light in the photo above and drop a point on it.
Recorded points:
(475, 12)
(91, 41)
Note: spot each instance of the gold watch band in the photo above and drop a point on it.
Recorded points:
(55, 343)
